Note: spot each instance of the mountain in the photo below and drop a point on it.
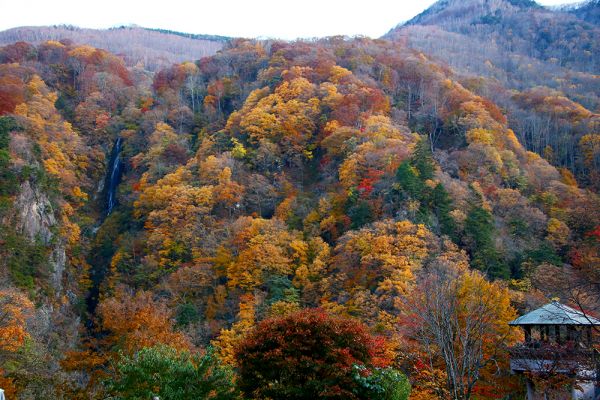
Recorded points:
(143, 214)
(588, 11)
(457, 13)
(531, 57)
(300, 219)
(520, 27)
(151, 48)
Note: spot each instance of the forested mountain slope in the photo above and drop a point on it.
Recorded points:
(268, 178)
(587, 10)
(150, 48)
(540, 65)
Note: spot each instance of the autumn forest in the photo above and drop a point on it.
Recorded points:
(337, 218)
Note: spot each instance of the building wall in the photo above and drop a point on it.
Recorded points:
(585, 391)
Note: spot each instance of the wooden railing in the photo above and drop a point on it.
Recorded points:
(554, 358)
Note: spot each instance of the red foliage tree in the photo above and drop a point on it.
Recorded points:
(12, 88)
(16, 53)
(306, 355)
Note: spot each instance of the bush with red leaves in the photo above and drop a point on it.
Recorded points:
(306, 355)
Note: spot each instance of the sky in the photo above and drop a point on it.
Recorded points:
(241, 18)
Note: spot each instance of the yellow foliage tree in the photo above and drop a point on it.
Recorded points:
(558, 233)
(173, 209)
(383, 256)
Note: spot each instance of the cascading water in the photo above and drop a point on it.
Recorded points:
(114, 177)
(102, 249)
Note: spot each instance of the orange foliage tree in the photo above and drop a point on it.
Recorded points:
(15, 309)
(135, 321)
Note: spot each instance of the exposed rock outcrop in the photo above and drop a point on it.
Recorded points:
(36, 220)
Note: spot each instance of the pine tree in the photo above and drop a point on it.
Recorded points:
(7, 177)
(442, 205)
(479, 231)
(422, 160)
(409, 180)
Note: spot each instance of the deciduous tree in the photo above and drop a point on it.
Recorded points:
(306, 355)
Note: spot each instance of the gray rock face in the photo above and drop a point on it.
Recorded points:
(36, 215)
(36, 218)
(58, 260)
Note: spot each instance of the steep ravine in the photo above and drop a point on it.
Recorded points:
(101, 252)
(113, 178)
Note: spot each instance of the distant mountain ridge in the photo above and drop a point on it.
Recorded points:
(197, 36)
(588, 11)
(498, 28)
(446, 11)
(153, 48)
(458, 10)
(524, 57)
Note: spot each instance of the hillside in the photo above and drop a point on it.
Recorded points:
(151, 48)
(548, 56)
(454, 13)
(515, 28)
(184, 208)
(587, 10)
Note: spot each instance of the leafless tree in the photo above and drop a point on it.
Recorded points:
(153, 49)
(453, 326)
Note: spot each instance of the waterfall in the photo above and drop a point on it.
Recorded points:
(99, 258)
(114, 177)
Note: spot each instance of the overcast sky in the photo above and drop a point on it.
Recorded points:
(242, 18)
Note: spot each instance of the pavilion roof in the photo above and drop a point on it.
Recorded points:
(555, 313)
